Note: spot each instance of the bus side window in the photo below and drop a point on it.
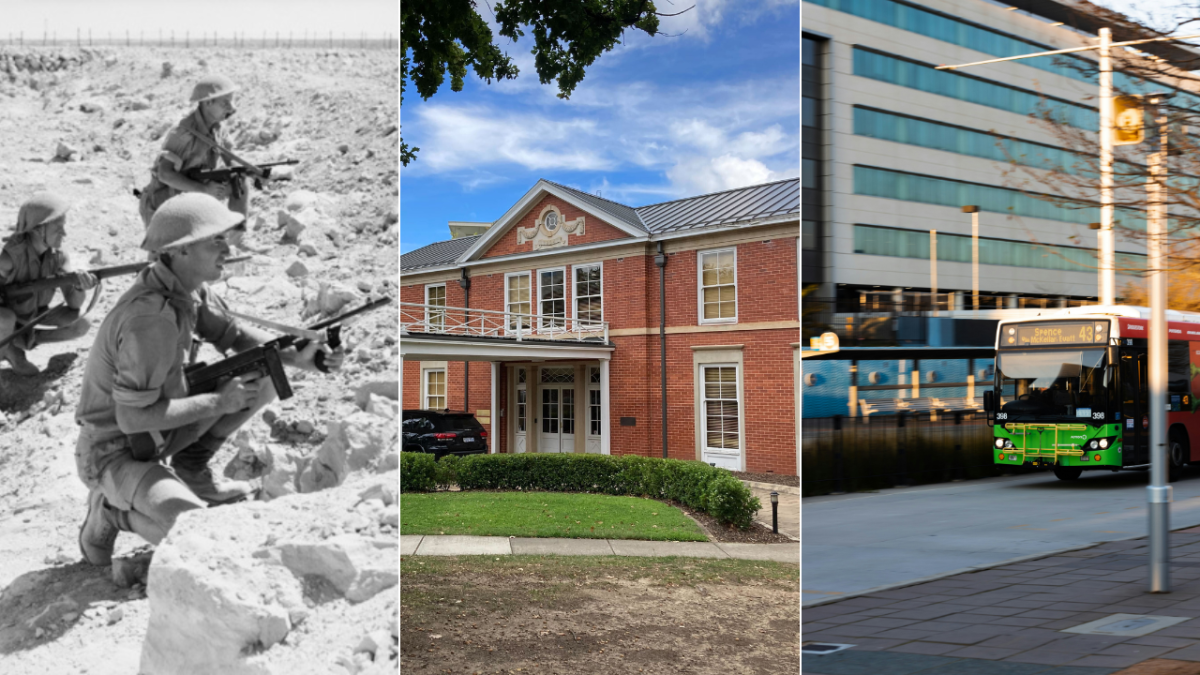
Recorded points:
(1178, 367)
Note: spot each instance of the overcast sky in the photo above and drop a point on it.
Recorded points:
(715, 107)
(252, 17)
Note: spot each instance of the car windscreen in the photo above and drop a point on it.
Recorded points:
(459, 423)
(1052, 383)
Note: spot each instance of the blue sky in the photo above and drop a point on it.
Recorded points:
(655, 119)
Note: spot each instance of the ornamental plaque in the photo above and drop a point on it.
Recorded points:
(550, 230)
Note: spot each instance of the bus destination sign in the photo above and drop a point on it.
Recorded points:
(1055, 333)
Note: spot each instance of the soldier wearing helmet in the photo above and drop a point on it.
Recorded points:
(134, 389)
(34, 251)
(197, 141)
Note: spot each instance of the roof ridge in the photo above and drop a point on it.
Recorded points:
(718, 192)
(568, 187)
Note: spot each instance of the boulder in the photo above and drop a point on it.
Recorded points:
(356, 444)
(358, 568)
(297, 269)
(385, 388)
(331, 299)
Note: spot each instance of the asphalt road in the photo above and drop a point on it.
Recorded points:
(861, 541)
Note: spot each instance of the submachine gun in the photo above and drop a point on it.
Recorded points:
(264, 359)
(259, 171)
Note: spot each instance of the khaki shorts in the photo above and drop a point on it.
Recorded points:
(110, 467)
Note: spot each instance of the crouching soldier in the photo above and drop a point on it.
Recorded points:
(197, 142)
(134, 386)
(35, 252)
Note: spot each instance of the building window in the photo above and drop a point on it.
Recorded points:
(718, 286)
(589, 308)
(517, 302)
(552, 299)
(810, 173)
(435, 389)
(923, 77)
(721, 430)
(594, 401)
(435, 308)
(808, 235)
(900, 243)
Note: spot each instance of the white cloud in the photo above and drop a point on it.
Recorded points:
(698, 175)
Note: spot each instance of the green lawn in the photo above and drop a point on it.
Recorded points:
(545, 514)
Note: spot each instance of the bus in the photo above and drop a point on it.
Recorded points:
(1071, 391)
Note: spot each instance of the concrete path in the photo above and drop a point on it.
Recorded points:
(446, 544)
(1024, 618)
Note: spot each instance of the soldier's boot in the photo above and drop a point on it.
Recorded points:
(98, 535)
(191, 465)
(16, 358)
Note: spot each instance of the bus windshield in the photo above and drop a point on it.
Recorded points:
(1067, 383)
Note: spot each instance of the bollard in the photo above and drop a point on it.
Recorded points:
(901, 466)
(838, 477)
(775, 512)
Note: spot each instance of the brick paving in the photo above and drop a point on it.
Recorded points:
(1009, 620)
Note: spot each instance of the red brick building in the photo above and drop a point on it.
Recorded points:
(548, 326)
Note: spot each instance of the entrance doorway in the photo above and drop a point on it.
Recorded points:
(556, 429)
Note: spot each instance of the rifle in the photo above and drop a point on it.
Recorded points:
(259, 171)
(66, 280)
(264, 359)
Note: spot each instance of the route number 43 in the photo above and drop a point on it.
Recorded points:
(1097, 415)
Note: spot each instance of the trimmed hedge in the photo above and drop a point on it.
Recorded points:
(694, 484)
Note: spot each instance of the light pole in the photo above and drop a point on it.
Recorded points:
(1158, 494)
(974, 211)
(1104, 238)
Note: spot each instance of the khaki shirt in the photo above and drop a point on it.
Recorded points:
(19, 262)
(140, 351)
(185, 151)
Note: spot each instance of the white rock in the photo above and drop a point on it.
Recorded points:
(375, 642)
(386, 388)
(358, 567)
(358, 443)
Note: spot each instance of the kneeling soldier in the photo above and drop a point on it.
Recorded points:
(35, 252)
(135, 392)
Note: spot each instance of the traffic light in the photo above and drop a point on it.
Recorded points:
(1128, 126)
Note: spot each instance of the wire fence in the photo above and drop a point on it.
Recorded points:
(849, 454)
(189, 39)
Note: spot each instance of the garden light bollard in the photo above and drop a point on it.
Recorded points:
(775, 512)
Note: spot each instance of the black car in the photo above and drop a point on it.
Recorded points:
(443, 433)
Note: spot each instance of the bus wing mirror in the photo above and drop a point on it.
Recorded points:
(989, 401)
(1114, 355)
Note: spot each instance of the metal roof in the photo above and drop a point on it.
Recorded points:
(437, 253)
(622, 212)
(740, 205)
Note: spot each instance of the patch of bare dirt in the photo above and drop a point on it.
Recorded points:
(755, 534)
(1162, 667)
(597, 622)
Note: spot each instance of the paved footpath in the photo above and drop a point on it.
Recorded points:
(1011, 619)
(447, 544)
(789, 507)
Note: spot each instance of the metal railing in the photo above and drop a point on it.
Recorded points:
(442, 320)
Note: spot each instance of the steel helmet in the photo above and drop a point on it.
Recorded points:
(187, 218)
(212, 86)
(39, 209)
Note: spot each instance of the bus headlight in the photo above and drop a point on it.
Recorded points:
(1094, 444)
(1008, 443)
(1103, 443)
(999, 442)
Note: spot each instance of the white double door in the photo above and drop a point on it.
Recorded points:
(556, 418)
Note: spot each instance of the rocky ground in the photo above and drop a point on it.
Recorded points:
(87, 124)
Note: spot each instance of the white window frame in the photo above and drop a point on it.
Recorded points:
(741, 404)
(425, 388)
(541, 318)
(508, 326)
(700, 286)
(429, 315)
(589, 388)
(575, 297)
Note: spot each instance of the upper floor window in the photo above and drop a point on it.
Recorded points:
(589, 307)
(435, 307)
(552, 299)
(517, 302)
(718, 286)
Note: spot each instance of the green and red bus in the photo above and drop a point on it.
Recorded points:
(1071, 390)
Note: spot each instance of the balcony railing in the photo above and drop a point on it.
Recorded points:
(418, 318)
